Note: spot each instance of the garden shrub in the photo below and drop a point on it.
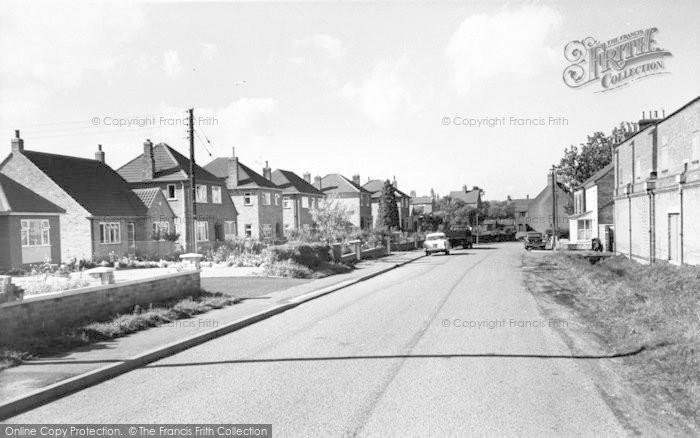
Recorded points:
(310, 255)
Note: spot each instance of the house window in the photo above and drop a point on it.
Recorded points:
(201, 193)
(585, 230)
(216, 194)
(579, 202)
(277, 199)
(247, 199)
(248, 228)
(267, 230)
(172, 194)
(286, 203)
(110, 232)
(267, 198)
(160, 229)
(229, 230)
(304, 202)
(202, 231)
(36, 232)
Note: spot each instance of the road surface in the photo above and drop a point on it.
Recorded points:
(401, 354)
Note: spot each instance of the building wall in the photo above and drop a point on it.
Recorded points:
(691, 224)
(75, 228)
(539, 212)
(635, 161)
(258, 214)
(604, 196)
(297, 216)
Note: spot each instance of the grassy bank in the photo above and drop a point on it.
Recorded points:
(22, 349)
(632, 305)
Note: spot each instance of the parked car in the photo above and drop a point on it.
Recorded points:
(534, 240)
(460, 236)
(436, 242)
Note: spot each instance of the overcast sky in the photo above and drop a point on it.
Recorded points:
(333, 87)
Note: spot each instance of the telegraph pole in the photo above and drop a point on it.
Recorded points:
(192, 225)
(554, 208)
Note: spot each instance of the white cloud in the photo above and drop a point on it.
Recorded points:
(332, 47)
(387, 92)
(171, 63)
(209, 51)
(511, 42)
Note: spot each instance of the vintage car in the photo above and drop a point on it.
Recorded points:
(436, 242)
(460, 236)
(534, 240)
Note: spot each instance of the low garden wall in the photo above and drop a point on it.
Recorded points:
(53, 311)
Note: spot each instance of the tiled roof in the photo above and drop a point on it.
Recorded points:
(93, 184)
(291, 183)
(14, 197)
(170, 165)
(422, 200)
(470, 197)
(247, 178)
(521, 204)
(337, 183)
(147, 196)
(377, 185)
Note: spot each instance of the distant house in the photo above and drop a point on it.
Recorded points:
(30, 230)
(403, 201)
(520, 208)
(160, 220)
(657, 189)
(349, 193)
(539, 211)
(299, 196)
(593, 210)
(257, 199)
(163, 167)
(420, 208)
(472, 198)
(103, 216)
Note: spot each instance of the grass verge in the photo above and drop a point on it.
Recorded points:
(633, 305)
(42, 344)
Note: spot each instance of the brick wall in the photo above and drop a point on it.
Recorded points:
(51, 312)
(75, 228)
(258, 214)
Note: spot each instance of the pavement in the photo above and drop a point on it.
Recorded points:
(260, 296)
(444, 346)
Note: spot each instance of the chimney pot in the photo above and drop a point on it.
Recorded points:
(317, 182)
(356, 179)
(307, 177)
(267, 172)
(17, 143)
(99, 155)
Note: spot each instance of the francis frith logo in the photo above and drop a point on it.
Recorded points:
(616, 62)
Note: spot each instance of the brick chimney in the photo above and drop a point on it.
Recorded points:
(307, 177)
(393, 182)
(413, 193)
(356, 179)
(99, 155)
(317, 182)
(650, 119)
(464, 188)
(232, 179)
(267, 172)
(149, 163)
(17, 143)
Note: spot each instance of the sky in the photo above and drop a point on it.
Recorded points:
(324, 87)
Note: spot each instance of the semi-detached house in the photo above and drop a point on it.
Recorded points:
(299, 197)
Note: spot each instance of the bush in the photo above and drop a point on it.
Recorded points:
(287, 268)
(310, 255)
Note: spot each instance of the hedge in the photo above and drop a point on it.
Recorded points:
(311, 255)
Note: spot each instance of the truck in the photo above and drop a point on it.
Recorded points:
(460, 236)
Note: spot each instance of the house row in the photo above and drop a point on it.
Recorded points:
(58, 208)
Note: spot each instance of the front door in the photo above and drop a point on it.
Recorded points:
(674, 238)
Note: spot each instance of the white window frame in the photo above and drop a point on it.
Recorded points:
(248, 230)
(229, 230)
(247, 199)
(286, 202)
(215, 195)
(277, 199)
(198, 231)
(266, 198)
(201, 193)
(44, 232)
(110, 233)
(585, 232)
(167, 192)
(305, 201)
(266, 230)
(160, 228)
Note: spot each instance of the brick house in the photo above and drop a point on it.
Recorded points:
(403, 201)
(657, 189)
(257, 199)
(103, 217)
(160, 221)
(29, 227)
(298, 197)
(539, 211)
(520, 207)
(163, 167)
(351, 194)
(472, 198)
(593, 211)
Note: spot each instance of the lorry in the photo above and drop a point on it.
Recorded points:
(459, 235)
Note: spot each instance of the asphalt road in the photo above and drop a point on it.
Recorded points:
(390, 356)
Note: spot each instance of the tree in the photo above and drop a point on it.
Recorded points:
(388, 216)
(331, 219)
